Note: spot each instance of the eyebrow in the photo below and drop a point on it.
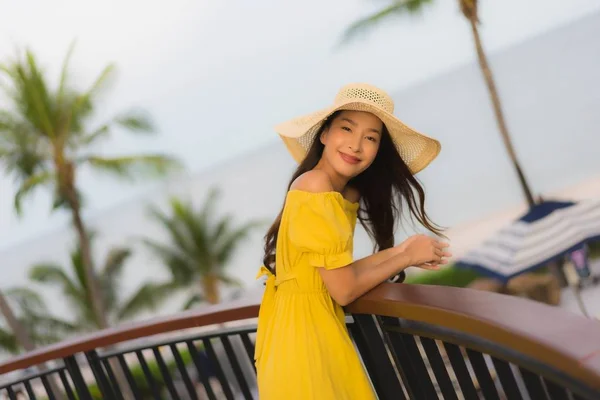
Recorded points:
(354, 123)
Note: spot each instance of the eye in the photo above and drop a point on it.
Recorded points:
(346, 128)
(372, 139)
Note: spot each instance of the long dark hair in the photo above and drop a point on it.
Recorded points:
(383, 188)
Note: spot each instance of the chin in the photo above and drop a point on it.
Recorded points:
(348, 171)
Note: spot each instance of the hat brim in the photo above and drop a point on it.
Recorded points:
(416, 149)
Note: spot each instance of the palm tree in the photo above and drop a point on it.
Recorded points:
(34, 321)
(45, 138)
(76, 291)
(34, 326)
(468, 8)
(200, 248)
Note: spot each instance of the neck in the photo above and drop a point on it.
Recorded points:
(337, 181)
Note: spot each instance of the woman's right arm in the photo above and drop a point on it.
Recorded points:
(348, 283)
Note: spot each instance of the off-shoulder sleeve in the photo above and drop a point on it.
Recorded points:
(319, 227)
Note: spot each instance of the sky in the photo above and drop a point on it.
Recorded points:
(216, 76)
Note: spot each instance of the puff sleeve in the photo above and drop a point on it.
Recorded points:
(320, 228)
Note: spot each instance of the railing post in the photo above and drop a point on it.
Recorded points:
(409, 361)
(375, 357)
(101, 378)
(237, 369)
(80, 386)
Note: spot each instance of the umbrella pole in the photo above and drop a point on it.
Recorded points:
(573, 283)
(577, 293)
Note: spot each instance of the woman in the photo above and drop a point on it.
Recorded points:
(356, 161)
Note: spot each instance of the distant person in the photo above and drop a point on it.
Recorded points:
(355, 157)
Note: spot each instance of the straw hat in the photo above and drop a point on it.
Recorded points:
(416, 149)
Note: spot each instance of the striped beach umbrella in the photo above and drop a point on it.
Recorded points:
(548, 231)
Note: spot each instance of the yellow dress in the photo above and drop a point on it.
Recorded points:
(303, 349)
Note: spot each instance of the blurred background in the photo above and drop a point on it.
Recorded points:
(153, 146)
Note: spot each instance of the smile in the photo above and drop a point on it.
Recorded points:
(349, 159)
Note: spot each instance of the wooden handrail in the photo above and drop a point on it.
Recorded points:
(217, 314)
(562, 340)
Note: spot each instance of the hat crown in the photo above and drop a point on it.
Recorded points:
(363, 92)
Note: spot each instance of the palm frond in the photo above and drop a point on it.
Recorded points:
(29, 93)
(396, 8)
(208, 207)
(115, 260)
(131, 167)
(179, 264)
(60, 201)
(8, 342)
(46, 329)
(222, 227)
(194, 229)
(7, 123)
(192, 301)
(135, 121)
(230, 241)
(99, 133)
(110, 276)
(22, 153)
(35, 317)
(230, 280)
(148, 297)
(55, 275)
(64, 73)
(29, 185)
(38, 94)
(81, 105)
(29, 302)
(177, 226)
(101, 81)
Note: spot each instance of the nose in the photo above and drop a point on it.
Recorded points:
(355, 143)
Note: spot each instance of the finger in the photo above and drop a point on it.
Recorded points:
(441, 261)
(434, 261)
(429, 266)
(441, 245)
(443, 254)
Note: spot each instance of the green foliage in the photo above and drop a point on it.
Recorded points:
(448, 276)
(461, 277)
(75, 290)
(594, 249)
(200, 246)
(8, 342)
(45, 134)
(395, 8)
(32, 313)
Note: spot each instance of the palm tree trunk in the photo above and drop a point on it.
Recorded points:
(25, 341)
(86, 256)
(489, 80)
(210, 289)
(94, 291)
(15, 326)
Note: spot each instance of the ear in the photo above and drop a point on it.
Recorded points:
(323, 136)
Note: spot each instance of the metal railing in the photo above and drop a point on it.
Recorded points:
(416, 342)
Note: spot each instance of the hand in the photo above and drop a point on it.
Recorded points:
(425, 252)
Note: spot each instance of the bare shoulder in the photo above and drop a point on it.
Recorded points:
(314, 181)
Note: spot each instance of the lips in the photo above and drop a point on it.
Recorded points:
(349, 159)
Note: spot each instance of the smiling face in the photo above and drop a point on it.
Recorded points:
(351, 142)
